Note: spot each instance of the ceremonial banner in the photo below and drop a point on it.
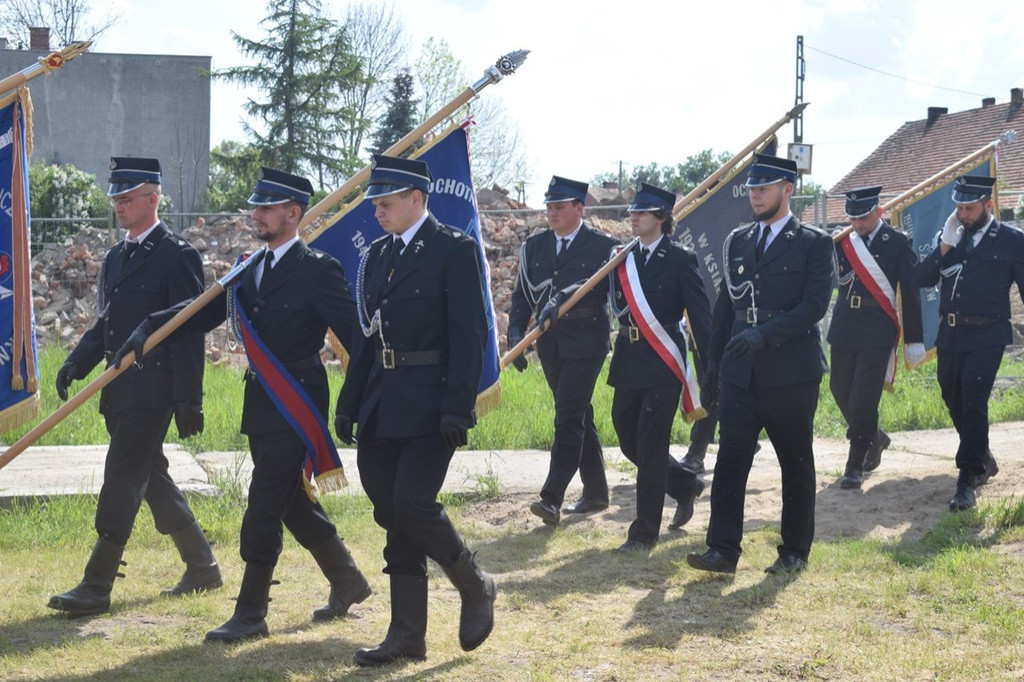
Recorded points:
(453, 202)
(19, 375)
(922, 219)
(704, 225)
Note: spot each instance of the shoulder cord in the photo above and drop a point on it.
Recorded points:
(954, 272)
(745, 287)
(612, 284)
(369, 325)
(102, 304)
(533, 292)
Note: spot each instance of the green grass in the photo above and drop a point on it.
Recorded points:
(525, 417)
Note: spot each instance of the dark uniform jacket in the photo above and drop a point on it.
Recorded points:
(671, 283)
(300, 297)
(584, 331)
(867, 326)
(164, 270)
(433, 303)
(980, 289)
(792, 285)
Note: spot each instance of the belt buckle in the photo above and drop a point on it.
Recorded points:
(751, 316)
(951, 319)
(855, 302)
(634, 334)
(387, 358)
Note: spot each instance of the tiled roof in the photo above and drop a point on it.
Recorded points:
(920, 149)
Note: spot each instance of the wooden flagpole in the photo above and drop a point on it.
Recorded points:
(697, 191)
(520, 348)
(54, 60)
(1006, 138)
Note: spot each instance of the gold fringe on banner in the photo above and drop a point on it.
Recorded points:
(695, 416)
(19, 414)
(22, 265)
(333, 481)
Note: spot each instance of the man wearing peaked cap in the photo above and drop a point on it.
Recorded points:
(648, 367)
(767, 362)
(874, 263)
(149, 269)
(552, 264)
(411, 388)
(290, 296)
(975, 265)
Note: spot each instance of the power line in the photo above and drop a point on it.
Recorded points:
(895, 75)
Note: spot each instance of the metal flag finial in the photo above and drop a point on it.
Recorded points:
(505, 66)
(1008, 137)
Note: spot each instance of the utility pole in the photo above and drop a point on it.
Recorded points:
(798, 120)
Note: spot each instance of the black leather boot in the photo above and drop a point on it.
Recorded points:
(873, 457)
(201, 569)
(407, 634)
(348, 585)
(853, 477)
(991, 469)
(684, 506)
(478, 593)
(965, 498)
(249, 620)
(92, 595)
(694, 458)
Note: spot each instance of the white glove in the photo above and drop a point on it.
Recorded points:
(952, 231)
(914, 353)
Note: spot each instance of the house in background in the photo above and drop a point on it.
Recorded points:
(102, 104)
(920, 149)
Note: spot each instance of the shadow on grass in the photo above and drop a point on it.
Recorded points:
(267, 659)
(705, 608)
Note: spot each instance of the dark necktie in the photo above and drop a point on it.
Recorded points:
(968, 243)
(397, 246)
(762, 242)
(130, 247)
(268, 265)
(563, 245)
(644, 253)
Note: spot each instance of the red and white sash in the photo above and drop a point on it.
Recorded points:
(877, 284)
(660, 340)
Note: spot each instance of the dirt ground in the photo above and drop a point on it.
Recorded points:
(904, 498)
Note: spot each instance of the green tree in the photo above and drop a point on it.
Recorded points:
(63, 191)
(400, 118)
(302, 62)
(680, 178)
(234, 167)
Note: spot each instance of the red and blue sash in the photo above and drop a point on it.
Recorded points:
(323, 468)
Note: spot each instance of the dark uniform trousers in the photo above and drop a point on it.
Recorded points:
(775, 388)
(431, 304)
(297, 300)
(974, 327)
(571, 354)
(862, 336)
(137, 406)
(646, 391)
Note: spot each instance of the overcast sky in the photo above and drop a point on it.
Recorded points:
(657, 80)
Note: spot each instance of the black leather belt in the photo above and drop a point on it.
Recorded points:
(855, 302)
(390, 358)
(303, 363)
(763, 315)
(957, 319)
(578, 313)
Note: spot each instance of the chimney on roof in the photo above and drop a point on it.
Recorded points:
(1016, 98)
(988, 102)
(4, 44)
(39, 38)
(935, 112)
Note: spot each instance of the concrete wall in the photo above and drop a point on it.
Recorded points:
(101, 105)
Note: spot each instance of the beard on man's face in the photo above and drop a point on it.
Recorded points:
(981, 222)
(769, 212)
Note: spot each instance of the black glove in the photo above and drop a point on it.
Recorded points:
(549, 313)
(520, 362)
(188, 417)
(67, 373)
(747, 341)
(454, 430)
(709, 384)
(344, 427)
(135, 343)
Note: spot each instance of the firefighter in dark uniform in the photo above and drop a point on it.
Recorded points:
(291, 294)
(976, 263)
(647, 387)
(551, 264)
(411, 388)
(766, 348)
(863, 335)
(149, 270)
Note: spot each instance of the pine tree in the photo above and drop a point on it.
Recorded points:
(302, 64)
(400, 117)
